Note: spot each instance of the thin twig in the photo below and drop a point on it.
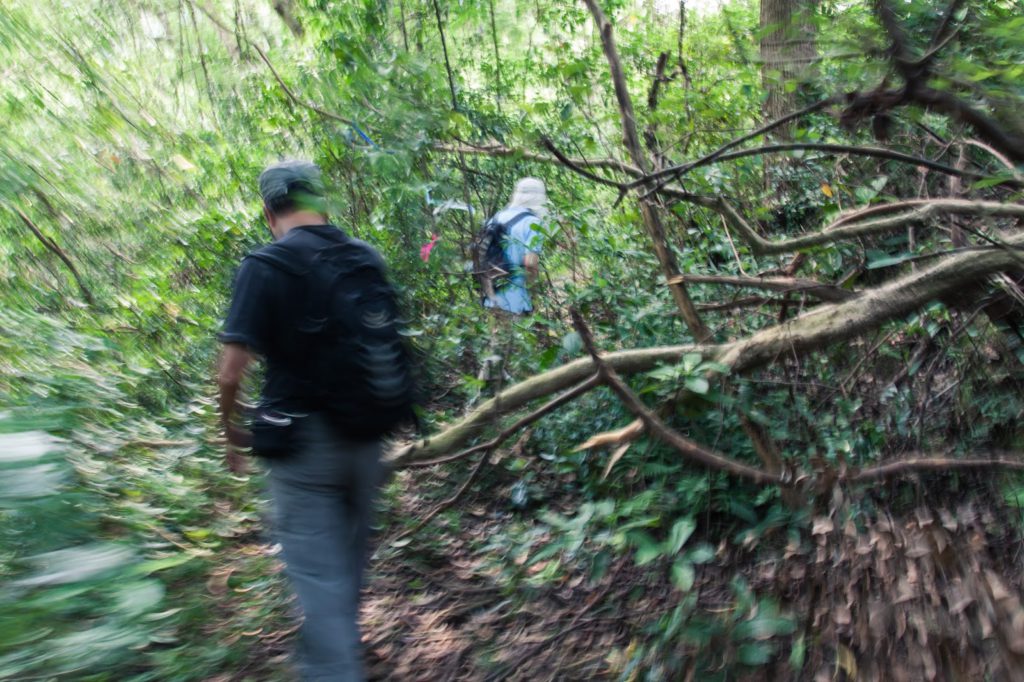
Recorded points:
(768, 127)
(875, 152)
(572, 165)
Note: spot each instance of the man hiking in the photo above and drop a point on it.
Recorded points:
(316, 307)
(518, 244)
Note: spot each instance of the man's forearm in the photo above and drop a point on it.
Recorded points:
(228, 401)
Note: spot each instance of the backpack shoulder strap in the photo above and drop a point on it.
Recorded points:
(526, 213)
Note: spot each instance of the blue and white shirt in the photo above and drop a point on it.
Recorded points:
(524, 237)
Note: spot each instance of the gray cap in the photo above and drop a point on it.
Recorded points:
(292, 185)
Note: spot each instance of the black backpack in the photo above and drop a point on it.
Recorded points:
(493, 266)
(354, 363)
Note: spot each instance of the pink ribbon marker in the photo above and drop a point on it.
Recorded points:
(428, 247)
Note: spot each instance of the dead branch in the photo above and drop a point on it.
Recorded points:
(498, 150)
(566, 161)
(926, 464)
(518, 395)
(689, 449)
(873, 152)
(1001, 158)
(708, 158)
(954, 206)
(745, 302)
(54, 248)
(825, 292)
(841, 229)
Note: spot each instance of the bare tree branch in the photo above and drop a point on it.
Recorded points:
(566, 161)
(876, 152)
(651, 219)
(825, 292)
(295, 98)
(519, 424)
(497, 150)
(924, 464)
(846, 230)
(708, 158)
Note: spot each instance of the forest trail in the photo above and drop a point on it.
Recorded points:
(936, 589)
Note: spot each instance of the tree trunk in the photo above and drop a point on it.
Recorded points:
(286, 10)
(787, 54)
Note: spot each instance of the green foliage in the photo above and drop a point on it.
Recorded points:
(134, 133)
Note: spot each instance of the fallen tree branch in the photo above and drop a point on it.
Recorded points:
(844, 230)
(954, 206)
(505, 433)
(825, 292)
(515, 397)
(689, 449)
(824, 325)
(924, 464)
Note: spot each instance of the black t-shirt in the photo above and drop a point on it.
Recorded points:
(267, 305)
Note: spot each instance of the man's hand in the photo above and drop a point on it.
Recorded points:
(237, 438)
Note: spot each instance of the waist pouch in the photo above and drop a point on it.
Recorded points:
(275, 434)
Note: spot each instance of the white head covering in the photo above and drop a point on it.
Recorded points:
(530, 193)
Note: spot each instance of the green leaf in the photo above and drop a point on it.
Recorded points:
(698, 385)
(572, 343)
(701, 554)
(888, 261)
(647, 549)
(680, 533)
(683, 575)
(755, 654)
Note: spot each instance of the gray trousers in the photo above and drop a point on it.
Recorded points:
(323, 496)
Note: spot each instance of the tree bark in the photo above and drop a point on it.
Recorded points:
(787, 51)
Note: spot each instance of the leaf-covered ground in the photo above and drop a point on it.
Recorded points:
(931, 593)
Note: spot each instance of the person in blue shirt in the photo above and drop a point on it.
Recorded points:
(522, 247)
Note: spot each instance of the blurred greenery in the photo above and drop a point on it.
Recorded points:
(134, 130)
